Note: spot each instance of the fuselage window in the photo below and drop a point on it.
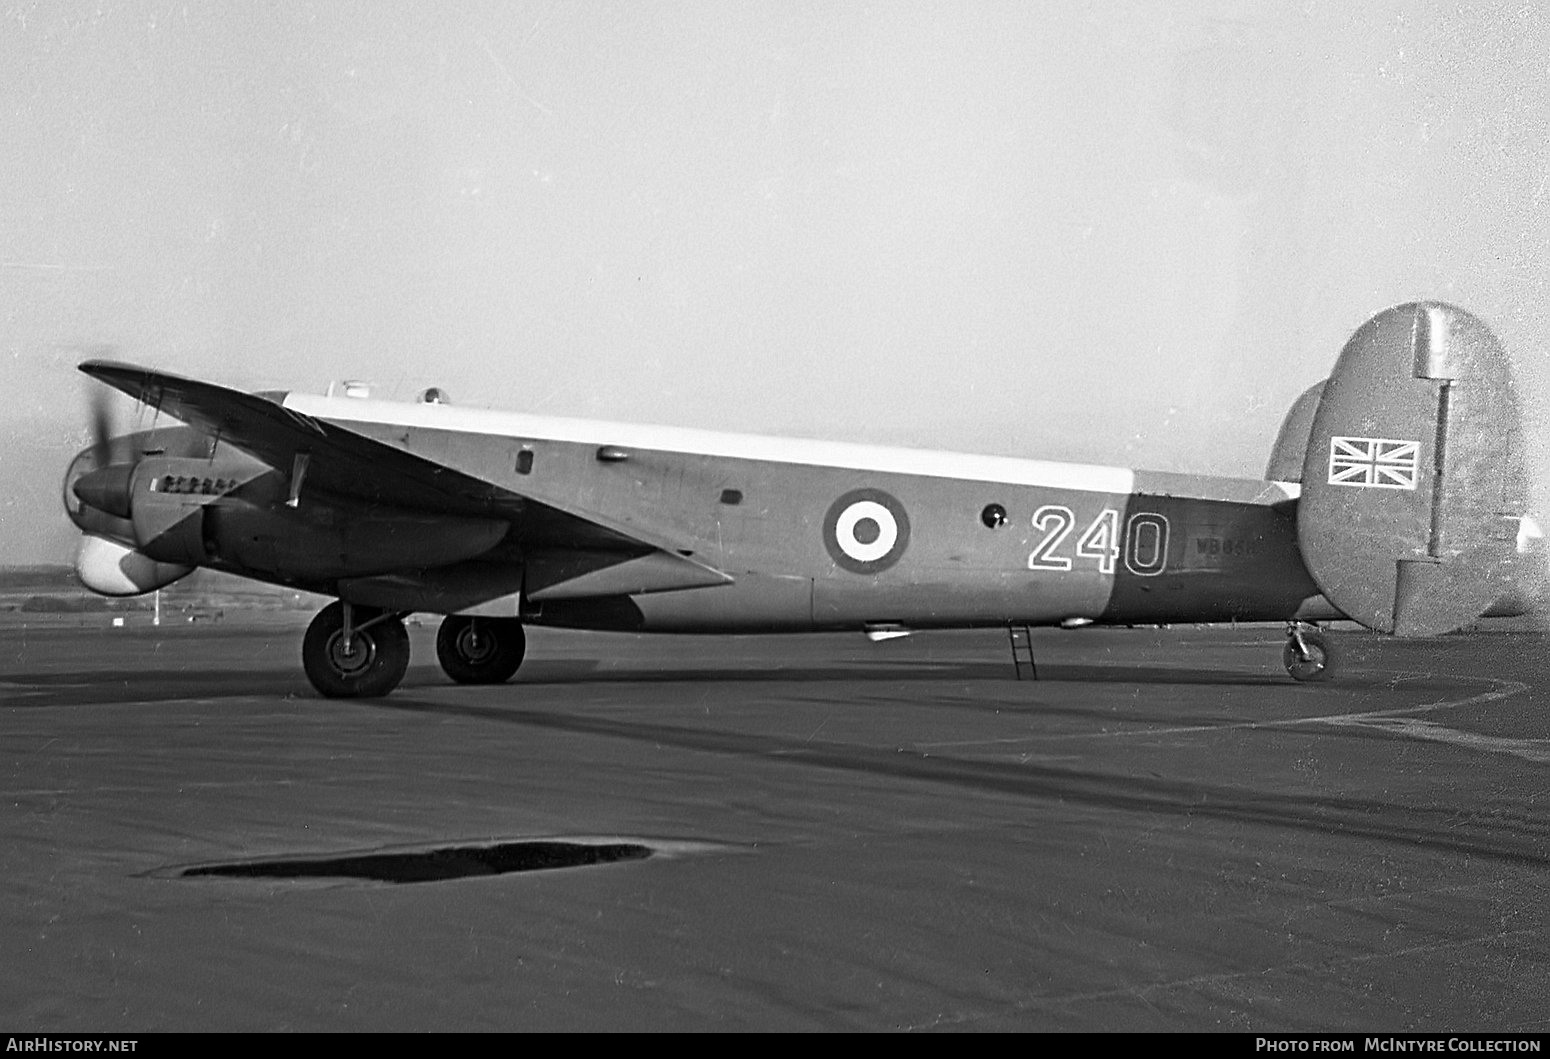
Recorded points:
(525, 461)
(994, 516)
(731, 496)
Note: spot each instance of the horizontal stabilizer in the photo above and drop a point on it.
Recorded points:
(1412, 485)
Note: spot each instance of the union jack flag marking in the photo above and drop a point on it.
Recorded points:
(1379, 463)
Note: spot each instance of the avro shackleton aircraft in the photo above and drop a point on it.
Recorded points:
(1396, 498)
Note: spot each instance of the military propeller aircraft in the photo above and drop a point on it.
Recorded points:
(1396, 498)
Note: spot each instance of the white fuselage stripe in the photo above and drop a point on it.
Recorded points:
(802, 451)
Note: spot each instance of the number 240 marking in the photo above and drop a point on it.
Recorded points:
(1145, 543)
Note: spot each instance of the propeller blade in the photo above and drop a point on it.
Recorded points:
(98, 401)
(101, 427)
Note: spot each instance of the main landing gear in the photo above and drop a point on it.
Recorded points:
(353, 652)
(1307, 654)
(480, 650)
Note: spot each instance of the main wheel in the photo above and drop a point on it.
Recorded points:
(369, 666)
(480, 650)
(1313, 661)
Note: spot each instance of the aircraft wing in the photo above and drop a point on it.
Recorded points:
(345, 463)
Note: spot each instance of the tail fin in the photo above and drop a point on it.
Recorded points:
(1413, 485)
(1291, 448)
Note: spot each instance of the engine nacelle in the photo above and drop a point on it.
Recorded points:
(323, 540)
(111, 568)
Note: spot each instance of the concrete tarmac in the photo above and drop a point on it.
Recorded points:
(1163, 833)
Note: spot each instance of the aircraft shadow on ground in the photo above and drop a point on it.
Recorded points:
(159, 685)
(1515, 840)
(563, 672)
(31, 690)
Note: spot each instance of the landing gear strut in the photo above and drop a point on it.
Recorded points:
(480, 650)
(355, 652)
(1307, 654)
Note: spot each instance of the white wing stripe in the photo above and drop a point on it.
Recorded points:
(804, 451)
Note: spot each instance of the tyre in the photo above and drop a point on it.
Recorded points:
(480, 650)
(374, 662)
(1316, 664)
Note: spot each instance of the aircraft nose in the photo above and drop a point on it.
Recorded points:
(106, 488)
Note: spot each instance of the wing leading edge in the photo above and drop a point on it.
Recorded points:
(345, 463)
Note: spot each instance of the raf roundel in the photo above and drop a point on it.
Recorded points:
(866, 531)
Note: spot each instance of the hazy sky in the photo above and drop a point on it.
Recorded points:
(1118, 232)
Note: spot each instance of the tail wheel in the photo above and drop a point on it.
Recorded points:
(366, 664)
(1307, 655)
(480, 650)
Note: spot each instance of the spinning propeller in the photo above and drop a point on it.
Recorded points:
(94, 479)
(98, 497)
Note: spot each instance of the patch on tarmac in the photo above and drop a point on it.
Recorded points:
(442, 863)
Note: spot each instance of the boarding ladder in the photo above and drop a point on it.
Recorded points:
(1021, 637)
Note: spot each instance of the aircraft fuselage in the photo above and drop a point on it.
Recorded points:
(829, 536)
